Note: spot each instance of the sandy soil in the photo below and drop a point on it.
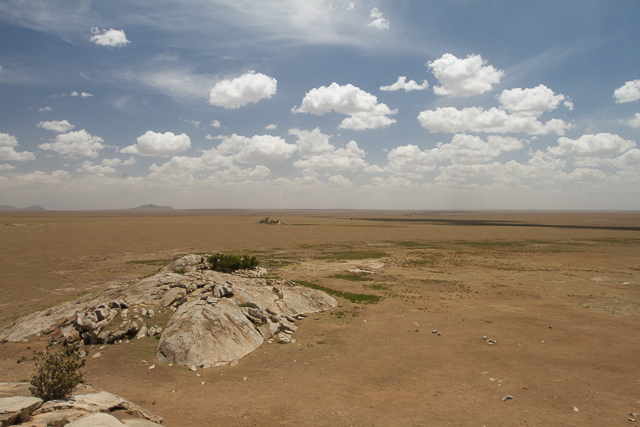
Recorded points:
(559, 292)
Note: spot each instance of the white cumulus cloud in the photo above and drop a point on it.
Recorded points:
(250, 87)
(530, 102)
(379, 21)
(463, 77)
(81, 94)
(75, 144)
(8, 152)
(257, 149)
(6, 167)
(109, 38)
(628, 92)
(60, 126)
(494, 120)
(348, 158)
(271, 126)
(215, 124)
(634, 122)
(88, 167)
(45, 109)
(590, 145)
(159, 144)
(363, 108)
(313, 142)
(407, 86)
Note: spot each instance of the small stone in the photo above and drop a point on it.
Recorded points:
(193, 368)
(507, 397)
(152, 366)
(576, 409)
(244, 379)
(484, 337)
(434, 331)
(95, 356)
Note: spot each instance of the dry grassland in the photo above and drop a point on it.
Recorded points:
(558, 292)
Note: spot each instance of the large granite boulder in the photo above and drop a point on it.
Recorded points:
(218, 319)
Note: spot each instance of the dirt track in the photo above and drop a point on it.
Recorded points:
(559, 292)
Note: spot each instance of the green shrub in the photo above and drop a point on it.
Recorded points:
(58, 374)
(230, 263)
(248, 305)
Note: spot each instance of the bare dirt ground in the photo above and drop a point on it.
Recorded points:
(558, 292)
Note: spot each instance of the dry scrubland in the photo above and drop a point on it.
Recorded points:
(559, 292)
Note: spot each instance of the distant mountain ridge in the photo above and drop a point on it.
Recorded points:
(151, 207)
(29, 208)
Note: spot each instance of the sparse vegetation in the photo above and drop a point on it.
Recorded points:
(58, 374)
(230, 263)
(159, 262)
(180, 271)
(355, 298)
(248, 305)
(352, 277)
(354, 255)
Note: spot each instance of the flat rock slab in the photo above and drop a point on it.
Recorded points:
(97, 420)
(12, 408)
(46, 419)
(98, 402)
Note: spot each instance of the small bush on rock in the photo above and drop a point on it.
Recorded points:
(230, 263)
(58, 374)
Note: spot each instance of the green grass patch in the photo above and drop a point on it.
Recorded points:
(352, 277)
(483, 244)
(248, 305)
(354, 298)
(353, 255)
(180, 270)
(415, 245)
(376, 287)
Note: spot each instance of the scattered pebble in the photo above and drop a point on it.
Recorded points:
(576, 409)
(152, 366)
(202, 383)
(102, 347)
(244, 379)
(434, 331)
(507, 397)
(95, 356)
(193, 368)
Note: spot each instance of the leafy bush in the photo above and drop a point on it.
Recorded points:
(230, 263)
(58, 373)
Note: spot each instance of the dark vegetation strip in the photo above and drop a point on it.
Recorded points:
(498, 223)
(355, 298)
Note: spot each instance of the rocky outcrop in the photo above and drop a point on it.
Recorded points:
(87, 407)
(268, 220)
(216, 318)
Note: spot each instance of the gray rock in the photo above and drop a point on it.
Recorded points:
(202, 334)
(13, 408)
(97, 420)
(172, 295)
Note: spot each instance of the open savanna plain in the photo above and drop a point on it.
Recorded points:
(559, 293)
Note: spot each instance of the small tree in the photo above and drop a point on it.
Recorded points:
(58, 373)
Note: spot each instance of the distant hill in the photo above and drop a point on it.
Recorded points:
(30, 208)
(33, 208)
(151, 207)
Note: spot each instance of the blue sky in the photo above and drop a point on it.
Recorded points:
(320, 104)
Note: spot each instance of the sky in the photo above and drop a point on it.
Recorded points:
(313, 104)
